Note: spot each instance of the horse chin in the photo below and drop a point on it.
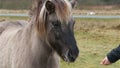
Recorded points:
(65, 57)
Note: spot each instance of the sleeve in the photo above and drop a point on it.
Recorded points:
(114, 55)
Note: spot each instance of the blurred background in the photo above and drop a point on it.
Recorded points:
(98, 7)
(96, 35)
(94, 4)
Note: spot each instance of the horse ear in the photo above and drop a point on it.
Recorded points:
(73, 3)
(50, 7)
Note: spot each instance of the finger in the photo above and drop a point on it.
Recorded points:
(103, 61)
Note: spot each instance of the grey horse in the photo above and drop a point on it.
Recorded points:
(40, 42)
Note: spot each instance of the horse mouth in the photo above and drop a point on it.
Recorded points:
(68, 57)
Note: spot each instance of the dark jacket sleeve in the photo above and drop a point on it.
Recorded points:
(114, 55)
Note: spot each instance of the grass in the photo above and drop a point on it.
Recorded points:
(91, 23)
(3, 18)
(93, 48)
(95, 38)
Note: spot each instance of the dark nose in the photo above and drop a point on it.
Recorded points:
(72, 55)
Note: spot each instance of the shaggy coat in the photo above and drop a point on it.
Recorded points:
(26, 44)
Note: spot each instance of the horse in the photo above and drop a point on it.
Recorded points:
(42, 41)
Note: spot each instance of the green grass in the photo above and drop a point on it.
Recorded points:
(3, 18)
(94, 42)
(95, 38)
(93, 48)
(90, 23)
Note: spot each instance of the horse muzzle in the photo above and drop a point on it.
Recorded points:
(71, 55)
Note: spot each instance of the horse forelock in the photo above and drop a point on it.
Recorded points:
(62, 10)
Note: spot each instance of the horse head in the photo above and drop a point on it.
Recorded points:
(57, 26)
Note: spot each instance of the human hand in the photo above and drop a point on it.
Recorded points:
(105, 61)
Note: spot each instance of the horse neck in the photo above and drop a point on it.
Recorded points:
(42, 53)
(31, 34)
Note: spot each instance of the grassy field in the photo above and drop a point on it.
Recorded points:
(13, 18)
(95, 38)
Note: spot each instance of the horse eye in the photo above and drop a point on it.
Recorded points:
(56, 24)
